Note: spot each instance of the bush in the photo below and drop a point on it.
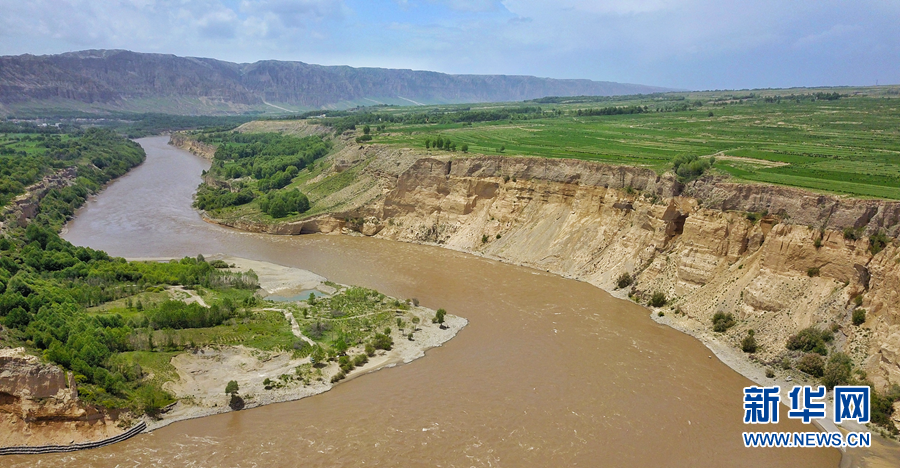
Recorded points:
(770, 373)
(853, 233)
(384, 342)
(624, 280)
(877, 242)
(370, 349)
(838, 370)
(811, 272)
(688, 168)
(812, 364)
(722, 321)
(748, 344)
(232, 387)
(658, 299)
(883, 407)
(810, 340)
(859, 317)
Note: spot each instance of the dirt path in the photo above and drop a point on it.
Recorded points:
(178, 292)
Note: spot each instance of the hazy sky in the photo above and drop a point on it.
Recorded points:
(690, 44)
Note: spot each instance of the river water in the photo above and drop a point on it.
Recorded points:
(549, 372)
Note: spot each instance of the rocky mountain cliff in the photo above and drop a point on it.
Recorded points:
(117, 78)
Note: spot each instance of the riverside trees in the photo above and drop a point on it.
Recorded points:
(257, 167)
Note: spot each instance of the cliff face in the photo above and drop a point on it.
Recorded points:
(26, 206)
(114, 77)
(695, 243)
(203, 150)
(39, 405)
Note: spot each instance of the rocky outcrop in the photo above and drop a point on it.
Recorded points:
(39, 405)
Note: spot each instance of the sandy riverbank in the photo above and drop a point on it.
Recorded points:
(204, 373)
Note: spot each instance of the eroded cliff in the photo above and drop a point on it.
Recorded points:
(776, 258)
(39, 405)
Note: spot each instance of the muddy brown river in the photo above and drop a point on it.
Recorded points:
(549, 372)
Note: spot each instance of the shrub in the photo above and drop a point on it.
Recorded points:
(484, 238)
(838, 370)
(219, 264)
(810, 340)
(817, 243)
(748, 344)
(661, 314)
(370, 349)
(624, 280)
(853, 233)
(360, 359)
(859, 317)
(770, 373)
(811, 272)
(232, 387)
(812, 364)
(858, 300)
(658, 299)
(722, 321)
(384, 342)
(877, 242)
(883, 408)
(338, 377)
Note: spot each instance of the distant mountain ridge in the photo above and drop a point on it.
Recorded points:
(111, 79)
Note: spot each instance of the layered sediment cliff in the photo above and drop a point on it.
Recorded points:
(39, 405)
(786, 266)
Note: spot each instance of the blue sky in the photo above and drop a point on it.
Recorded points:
(687, 44)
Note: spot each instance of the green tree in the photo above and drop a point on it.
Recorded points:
(232, 387)
(366, 130)
(317, 356)
(439, 317)
(464, 148)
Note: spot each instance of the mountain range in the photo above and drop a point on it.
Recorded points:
(107, 80)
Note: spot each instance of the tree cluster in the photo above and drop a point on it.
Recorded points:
(281, 204)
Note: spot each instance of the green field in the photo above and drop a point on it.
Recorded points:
(849, 145)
